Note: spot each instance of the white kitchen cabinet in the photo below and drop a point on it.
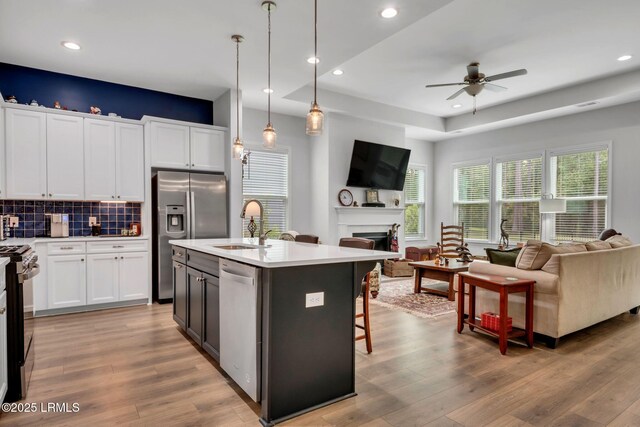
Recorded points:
(102, 278)
(3, 188)
(26, 154)
(99, 159)
(65, 157)
(66, 281)
(207, 149)
(114, 161)
(187, 147)
(134, 275)
(129, 154)
(3, 343)
(169, 145)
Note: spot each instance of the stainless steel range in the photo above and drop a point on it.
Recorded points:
(20, 322)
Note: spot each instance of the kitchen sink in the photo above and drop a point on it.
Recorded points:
(233, 247)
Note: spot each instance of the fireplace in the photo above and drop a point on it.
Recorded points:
(381, 239)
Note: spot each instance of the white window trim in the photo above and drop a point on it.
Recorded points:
(279, 149)
(454, 188)
(424, 204)
(549, 221)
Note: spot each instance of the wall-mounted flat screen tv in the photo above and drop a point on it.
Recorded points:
(378, 166)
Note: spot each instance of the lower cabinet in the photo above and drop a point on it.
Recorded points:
(211, 332)
(67, 281)
(195, 298)
(180, 294)
(117, 277)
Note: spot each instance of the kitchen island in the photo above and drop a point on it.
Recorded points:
(281, 315)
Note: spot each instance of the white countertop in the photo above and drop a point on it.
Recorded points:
(283, 253)
(17, 241)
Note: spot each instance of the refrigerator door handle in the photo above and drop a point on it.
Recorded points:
(192, 213)
(188, 197)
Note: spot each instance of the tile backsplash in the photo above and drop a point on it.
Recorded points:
(111, 216)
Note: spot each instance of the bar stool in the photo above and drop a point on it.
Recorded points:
(360, 243)
(307, 238)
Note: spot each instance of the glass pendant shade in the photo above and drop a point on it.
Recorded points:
(315, 120)
(238, 149)
(269, 137)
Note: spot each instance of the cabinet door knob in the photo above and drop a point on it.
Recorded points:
(118, 197)
(186, 164)
(50, 195)
(121, 257)
(113, 197)
(82, 259)
(2, 310)
(115, 257)
(193, 164)
(43, 195)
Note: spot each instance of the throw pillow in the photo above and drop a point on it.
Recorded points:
(553, 265)
(598, 245)
(619, 241)
(534, 255)
(609, 232)
(503, 257)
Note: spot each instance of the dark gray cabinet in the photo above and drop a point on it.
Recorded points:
(180, 294)
(195, 297)
(211, 333)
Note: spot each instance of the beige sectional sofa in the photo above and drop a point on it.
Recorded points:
(579, 289)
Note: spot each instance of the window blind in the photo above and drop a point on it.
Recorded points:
(267, 180)
(581, 179)
(414, 214)
(518, 190)
(472, 198)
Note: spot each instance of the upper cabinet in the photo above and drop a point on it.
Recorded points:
(26, 154)
(184, 147)
(114, 161)
(65, 157)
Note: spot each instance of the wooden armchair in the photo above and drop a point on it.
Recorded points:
(451, 237)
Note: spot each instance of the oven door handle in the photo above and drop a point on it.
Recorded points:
(29, 274)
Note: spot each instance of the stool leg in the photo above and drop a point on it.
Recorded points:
(365, 311)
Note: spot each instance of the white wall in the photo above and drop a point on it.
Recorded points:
(292, 136)
(619, 124)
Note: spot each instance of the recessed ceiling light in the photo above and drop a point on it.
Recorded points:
(389, 13)
(267, 90)
(313, 60)
(71, 45)
(625, 58)
(337, 72)
(456, 106)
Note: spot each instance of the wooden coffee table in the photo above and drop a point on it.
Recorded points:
(446, 273)
(504, 286)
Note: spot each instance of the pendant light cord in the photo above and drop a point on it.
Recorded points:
(269, 69)
(315, 50)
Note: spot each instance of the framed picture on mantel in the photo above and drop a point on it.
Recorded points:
(372, 196)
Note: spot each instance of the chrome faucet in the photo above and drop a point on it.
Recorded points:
(261, 236)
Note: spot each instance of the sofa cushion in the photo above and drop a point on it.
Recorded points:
(546, 283)
(598, 245)
(503, 256)
(535, 254)
(619, 241)
(553, 265)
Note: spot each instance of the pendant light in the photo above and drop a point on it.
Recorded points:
(315, 118)
(238, 147)
(269, 133)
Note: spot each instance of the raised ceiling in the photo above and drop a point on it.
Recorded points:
(569, 47)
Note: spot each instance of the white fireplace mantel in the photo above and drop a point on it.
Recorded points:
(362, 219)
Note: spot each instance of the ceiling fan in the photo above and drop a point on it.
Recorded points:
(474, 82)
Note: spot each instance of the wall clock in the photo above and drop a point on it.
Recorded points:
(345, 197)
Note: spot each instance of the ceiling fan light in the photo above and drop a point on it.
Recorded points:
(473, 89)
(269, 137)
(315, 120)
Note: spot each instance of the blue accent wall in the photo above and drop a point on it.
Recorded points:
(79, 93)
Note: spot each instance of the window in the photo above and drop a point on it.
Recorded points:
(267, 179)
(414, 215)
(582, 178)
(471, 200)
(518, 191)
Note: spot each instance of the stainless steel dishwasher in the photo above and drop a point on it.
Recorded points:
(240, 325)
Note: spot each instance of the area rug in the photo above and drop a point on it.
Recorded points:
(398, 295)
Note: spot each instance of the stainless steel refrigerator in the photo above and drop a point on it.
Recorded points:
(186, 206)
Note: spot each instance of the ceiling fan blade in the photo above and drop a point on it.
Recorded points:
(473, 70)
(446, 84)
(513, 73)
(494, 88)
(455, 95)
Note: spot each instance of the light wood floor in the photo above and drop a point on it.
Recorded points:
(134, 366)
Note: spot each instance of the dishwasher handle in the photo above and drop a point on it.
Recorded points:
(245, 280)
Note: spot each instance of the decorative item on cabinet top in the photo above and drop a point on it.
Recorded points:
(113, 217)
